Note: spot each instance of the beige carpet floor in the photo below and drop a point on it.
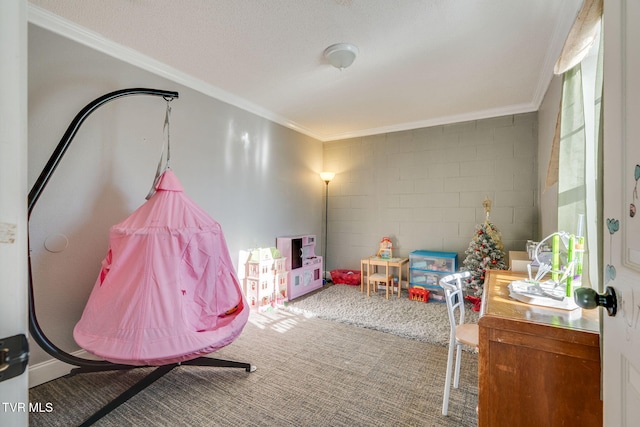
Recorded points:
(399, 316)
(310, 372)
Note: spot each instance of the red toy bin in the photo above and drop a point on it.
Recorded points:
(345, 277)
(418, 294)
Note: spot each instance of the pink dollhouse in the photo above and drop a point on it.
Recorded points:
(264, 278)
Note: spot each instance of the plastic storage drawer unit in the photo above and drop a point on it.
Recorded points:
(426, 268)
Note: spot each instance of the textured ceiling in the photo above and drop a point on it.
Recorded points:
(421, 62)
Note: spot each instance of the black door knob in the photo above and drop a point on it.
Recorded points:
(590, 299)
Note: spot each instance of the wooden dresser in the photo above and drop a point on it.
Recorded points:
(537, 366)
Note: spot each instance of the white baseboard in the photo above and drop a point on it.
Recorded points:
(43, 372)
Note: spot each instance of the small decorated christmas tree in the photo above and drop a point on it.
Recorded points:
(485, 252)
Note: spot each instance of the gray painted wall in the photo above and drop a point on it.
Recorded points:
(259, 180)
(425, 187)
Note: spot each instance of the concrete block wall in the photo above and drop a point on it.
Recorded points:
(424, 188)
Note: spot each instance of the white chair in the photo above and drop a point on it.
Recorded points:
(461, 333)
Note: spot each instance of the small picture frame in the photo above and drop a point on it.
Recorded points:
(386, 253)
(385, 248)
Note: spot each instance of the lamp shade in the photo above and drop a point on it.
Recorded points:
(341, 55)
(327, 176)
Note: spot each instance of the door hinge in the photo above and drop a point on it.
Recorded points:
(14, 356)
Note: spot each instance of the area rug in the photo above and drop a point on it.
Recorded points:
(420, 321)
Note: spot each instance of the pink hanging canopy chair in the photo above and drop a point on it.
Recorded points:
(167, 291)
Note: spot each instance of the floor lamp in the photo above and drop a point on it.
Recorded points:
(326, 177)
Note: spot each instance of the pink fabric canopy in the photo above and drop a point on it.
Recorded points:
(167, 291)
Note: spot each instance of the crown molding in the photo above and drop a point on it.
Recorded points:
(440, 121)
(63, 27)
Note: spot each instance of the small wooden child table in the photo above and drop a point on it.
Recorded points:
(373, 261)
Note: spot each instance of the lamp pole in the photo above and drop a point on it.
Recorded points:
(326, 225)
(326, 177)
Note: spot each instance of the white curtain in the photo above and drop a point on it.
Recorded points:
(571, 159)
(577, 146)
